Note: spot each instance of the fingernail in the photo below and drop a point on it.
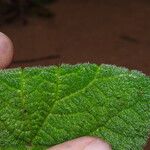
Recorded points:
(97, 144)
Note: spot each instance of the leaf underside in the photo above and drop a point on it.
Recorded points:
(41, 107)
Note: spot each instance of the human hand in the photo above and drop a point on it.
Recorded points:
(83, 143)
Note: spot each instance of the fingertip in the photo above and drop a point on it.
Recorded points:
(6, 50)
(83, 143)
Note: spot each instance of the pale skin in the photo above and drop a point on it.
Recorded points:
(82, 143)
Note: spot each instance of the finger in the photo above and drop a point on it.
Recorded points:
(83, 143)
(6, 50)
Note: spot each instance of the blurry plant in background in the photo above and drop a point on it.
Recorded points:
(11, 10)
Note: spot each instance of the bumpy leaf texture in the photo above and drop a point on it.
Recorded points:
(41, 107)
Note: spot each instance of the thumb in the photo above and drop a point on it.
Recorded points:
(83, 143)
(6, 51)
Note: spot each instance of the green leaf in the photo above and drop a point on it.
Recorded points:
(41, 107)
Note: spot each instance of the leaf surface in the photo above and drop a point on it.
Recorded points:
(41, 107)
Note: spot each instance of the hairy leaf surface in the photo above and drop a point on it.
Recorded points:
(41, 107)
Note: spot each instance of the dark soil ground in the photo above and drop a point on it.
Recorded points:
(96, 31)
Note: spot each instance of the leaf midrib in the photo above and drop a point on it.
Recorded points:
(58, 98)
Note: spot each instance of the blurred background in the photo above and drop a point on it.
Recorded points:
(47, 32)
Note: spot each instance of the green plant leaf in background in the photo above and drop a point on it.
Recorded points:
(41, 107)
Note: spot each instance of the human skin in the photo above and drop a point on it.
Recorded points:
(82, 143)
(6, 51)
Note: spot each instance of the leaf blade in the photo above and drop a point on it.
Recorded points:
(55, 104)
